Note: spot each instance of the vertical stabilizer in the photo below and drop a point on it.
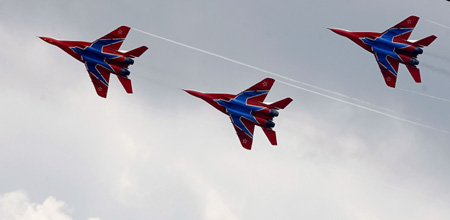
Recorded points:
(136, 52)
(415, 73)
(126, 83)
(271, 135)
(281, 104)
(425, 42)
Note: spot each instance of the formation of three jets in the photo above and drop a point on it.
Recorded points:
(246, 109)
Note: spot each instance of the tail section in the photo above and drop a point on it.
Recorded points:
(425, 41)
(415, 73)
(281, 104)
(136, 52)
(126, 83)
(271, 135)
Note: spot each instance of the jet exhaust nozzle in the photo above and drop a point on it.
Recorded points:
(124, 72)
(273, 113)
(269, 124)
(418, 50)
(128, 61)
(414, 61)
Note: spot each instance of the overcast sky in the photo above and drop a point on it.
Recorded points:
(66, 153)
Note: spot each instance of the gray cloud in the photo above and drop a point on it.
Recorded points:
(16, 205)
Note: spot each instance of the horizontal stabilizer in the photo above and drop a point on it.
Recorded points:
(271, 135)
(415, 73)
(281, 104)
(425, 41)
(136, 52)
(126, 83)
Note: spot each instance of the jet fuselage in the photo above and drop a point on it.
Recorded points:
(93, 54)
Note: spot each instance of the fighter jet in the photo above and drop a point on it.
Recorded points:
(103, 57)
(392, 47)
(247, 109)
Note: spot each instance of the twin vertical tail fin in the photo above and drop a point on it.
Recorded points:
(271, 135)
(415, 72)
(124, 80)
(425, 42)
(136, 52)
(281, 104)
(126, 83)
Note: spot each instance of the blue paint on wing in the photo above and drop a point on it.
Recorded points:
(238, 108)
(92, 70)
(384, 61)
(93, 55)
(100, 43)
(385, 46)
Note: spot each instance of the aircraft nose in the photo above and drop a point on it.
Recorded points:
(339, 31)
(47, 39)
(195, 93)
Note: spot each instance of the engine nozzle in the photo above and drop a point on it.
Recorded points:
(273, 113)
(414, 61)
(128, 61)
(418, 50)
(269, 124)
(124, 72)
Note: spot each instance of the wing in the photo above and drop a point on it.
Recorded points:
(99, 77)
(262, 87)
(114, 39)
(389, 69)
(403, 29)
(244, 130)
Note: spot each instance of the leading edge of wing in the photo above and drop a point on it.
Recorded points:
(403, 29)
(114, 39)
(264, 85)
(118, 33)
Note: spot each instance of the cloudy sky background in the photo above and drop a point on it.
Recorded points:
(162, 154)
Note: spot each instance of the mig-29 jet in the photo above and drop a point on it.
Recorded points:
(103, 57)
(392, 47)
(247, 109)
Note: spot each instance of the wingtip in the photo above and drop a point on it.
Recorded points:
(125, 26)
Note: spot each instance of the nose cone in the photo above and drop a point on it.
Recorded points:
(340, 32)
(196, 94)
(48, 40)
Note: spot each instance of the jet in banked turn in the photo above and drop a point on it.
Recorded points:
(103, 57)
(247, 109)
(392, 47)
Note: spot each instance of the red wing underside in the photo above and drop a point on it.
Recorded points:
(99, 86)
(244, 138)
(409, 22)
(120, 33)
(389, 77)
(265, 85)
